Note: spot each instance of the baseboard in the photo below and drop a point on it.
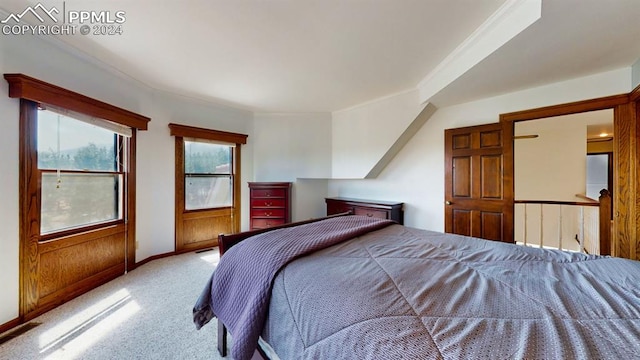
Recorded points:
(10, 325)
(155, 257)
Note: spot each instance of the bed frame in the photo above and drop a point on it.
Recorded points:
(225, 242)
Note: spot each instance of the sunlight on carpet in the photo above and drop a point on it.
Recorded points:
(73, 336)
(144, 314)
(212, 257)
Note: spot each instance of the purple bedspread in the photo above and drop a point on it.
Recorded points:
(239, 290)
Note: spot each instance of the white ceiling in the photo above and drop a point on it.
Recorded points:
(574, 38)
(328, 55)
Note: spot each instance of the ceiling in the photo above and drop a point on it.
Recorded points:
(328, 55)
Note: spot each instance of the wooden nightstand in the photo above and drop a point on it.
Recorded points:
(380, 209)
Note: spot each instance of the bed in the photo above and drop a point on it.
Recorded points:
(352, 287)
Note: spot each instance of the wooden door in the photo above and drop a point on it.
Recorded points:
(479, 181)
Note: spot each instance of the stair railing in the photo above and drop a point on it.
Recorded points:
(593, 223)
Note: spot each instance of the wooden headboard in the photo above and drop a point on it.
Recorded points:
(225, 242)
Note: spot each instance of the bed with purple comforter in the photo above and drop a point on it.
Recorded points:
(394, 292)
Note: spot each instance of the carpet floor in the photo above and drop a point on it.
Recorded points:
(145, 314)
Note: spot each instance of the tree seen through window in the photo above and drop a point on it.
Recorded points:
(208, 175)
(81, 175)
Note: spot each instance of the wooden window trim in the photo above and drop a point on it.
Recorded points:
(25, 87)
(207, 134)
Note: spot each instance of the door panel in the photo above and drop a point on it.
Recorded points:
(490, 139)
(491, 177)
(461, 141)
(462, 176)
(491, 225)
(478, 181)
(461, 222)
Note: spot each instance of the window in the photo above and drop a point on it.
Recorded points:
(599, 174)
(208, 175)
(207, 179)
(81, 167)
(77, 192)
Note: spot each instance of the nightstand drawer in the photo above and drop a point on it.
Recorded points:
(337, 208)
(380, 214)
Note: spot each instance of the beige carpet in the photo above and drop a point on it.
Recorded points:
(145, 314)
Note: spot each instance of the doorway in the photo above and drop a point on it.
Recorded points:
(625, 157)
(557, 182)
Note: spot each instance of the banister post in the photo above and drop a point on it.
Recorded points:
(605, 222)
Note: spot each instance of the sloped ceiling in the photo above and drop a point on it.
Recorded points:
(573, 38)
(328, 55)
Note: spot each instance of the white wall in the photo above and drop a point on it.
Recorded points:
(552, 166)
(9, 249)
(295, 148)
(416, 175)
(635, 77)
(362, 135)
(44, 59)
(559, 152)
(156, 154)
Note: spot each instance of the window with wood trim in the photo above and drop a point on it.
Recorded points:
(207, 176)
(208, 172)
(77, 192)
(81, 164)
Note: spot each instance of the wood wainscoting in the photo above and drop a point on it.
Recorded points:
(200, 229)
(73, 265)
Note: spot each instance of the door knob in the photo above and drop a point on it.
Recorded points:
(447, 202)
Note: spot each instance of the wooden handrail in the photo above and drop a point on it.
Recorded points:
(555, 202)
